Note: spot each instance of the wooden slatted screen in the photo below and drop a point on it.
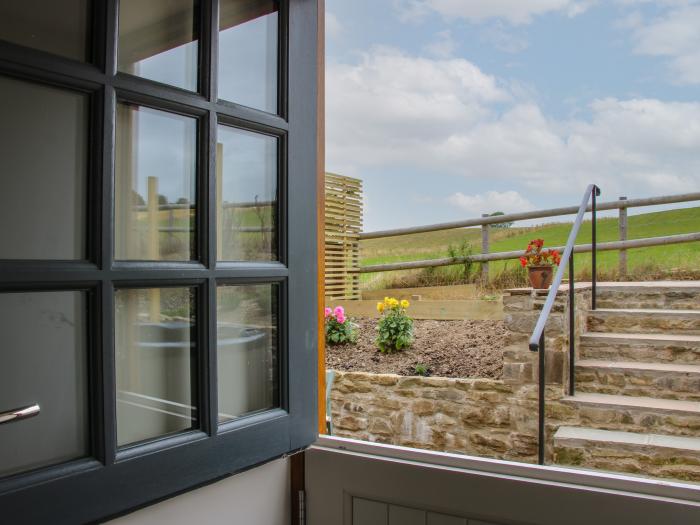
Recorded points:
(343, 224)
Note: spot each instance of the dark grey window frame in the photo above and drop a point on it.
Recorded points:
(111, 482)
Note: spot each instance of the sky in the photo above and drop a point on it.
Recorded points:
(447, 109)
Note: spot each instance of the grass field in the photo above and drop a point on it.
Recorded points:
(681, 260)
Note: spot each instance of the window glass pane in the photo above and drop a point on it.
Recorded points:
(43, 150)
(246, 195)
(155, 346)
(59, 27)
(248, 35)
(247, 356)
(158, 40)
(43, 361)
(155, 169)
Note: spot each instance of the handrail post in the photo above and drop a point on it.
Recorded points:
(485, 249)
(541, 413)
(622, 226)
(594, 193)
(572, 328)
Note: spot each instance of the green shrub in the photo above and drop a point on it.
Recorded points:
(421, 370)
(395, 327)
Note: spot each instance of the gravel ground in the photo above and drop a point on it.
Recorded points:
(446, 348)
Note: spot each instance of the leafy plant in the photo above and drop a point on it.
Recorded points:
(421, 370)
(395, 326)
(339, 329)
(464, 250)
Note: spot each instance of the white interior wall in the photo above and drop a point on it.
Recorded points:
(256, 497)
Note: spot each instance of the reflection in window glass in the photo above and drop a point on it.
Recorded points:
(56, 27)
(43, 361)
(246, 195)
(155, 169)
(158, 41)
(247, 349)
(155, 354)
(43, 164)
(248, 36)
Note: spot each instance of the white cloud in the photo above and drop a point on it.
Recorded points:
(514, 11)
(489, 202)
(443, 116)
(333, 26)
(391, 102)
(503, 39)
(443, 46)
(675, 35)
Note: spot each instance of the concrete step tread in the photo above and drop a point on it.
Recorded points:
(644, 403)
(636, 365)
(627, 438)
(645, 311)
(630, 285)
(642, 338)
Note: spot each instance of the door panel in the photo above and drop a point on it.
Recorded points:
(368, 512)
(352, 488)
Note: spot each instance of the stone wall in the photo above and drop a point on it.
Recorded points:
(482, 417)
(522, 307)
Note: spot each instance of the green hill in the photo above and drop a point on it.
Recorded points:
(643, 263)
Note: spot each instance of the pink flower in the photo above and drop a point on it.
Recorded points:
(327, 312)
(339, 312)
(340, 318)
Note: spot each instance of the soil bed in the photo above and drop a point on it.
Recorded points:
(445, 348)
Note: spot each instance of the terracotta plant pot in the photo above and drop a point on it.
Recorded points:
(541, 276)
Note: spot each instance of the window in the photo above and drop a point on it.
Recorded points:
(58, 27)
(48, 213)
(155, 185)
(158, 40)
(158, 251)
(248, 50)
(247, 208)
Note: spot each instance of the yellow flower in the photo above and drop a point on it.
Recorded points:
(405, 304)
(380, 307)
(393, 302)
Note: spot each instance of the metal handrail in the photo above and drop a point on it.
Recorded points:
(537, 340)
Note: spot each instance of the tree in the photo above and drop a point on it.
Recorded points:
(500, 224)
(137, 198)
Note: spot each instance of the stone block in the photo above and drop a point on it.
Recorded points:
(381, 426)
(351, 423)
(423, 407)
(489, 441)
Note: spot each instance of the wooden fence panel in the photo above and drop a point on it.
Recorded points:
(343, 224)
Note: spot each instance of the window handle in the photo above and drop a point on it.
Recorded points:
(19, 413)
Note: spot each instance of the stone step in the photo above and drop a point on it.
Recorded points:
(634, 378)
(635, 453)
(631, 414)
(666, 295)
(632, 320)
(651, 348)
